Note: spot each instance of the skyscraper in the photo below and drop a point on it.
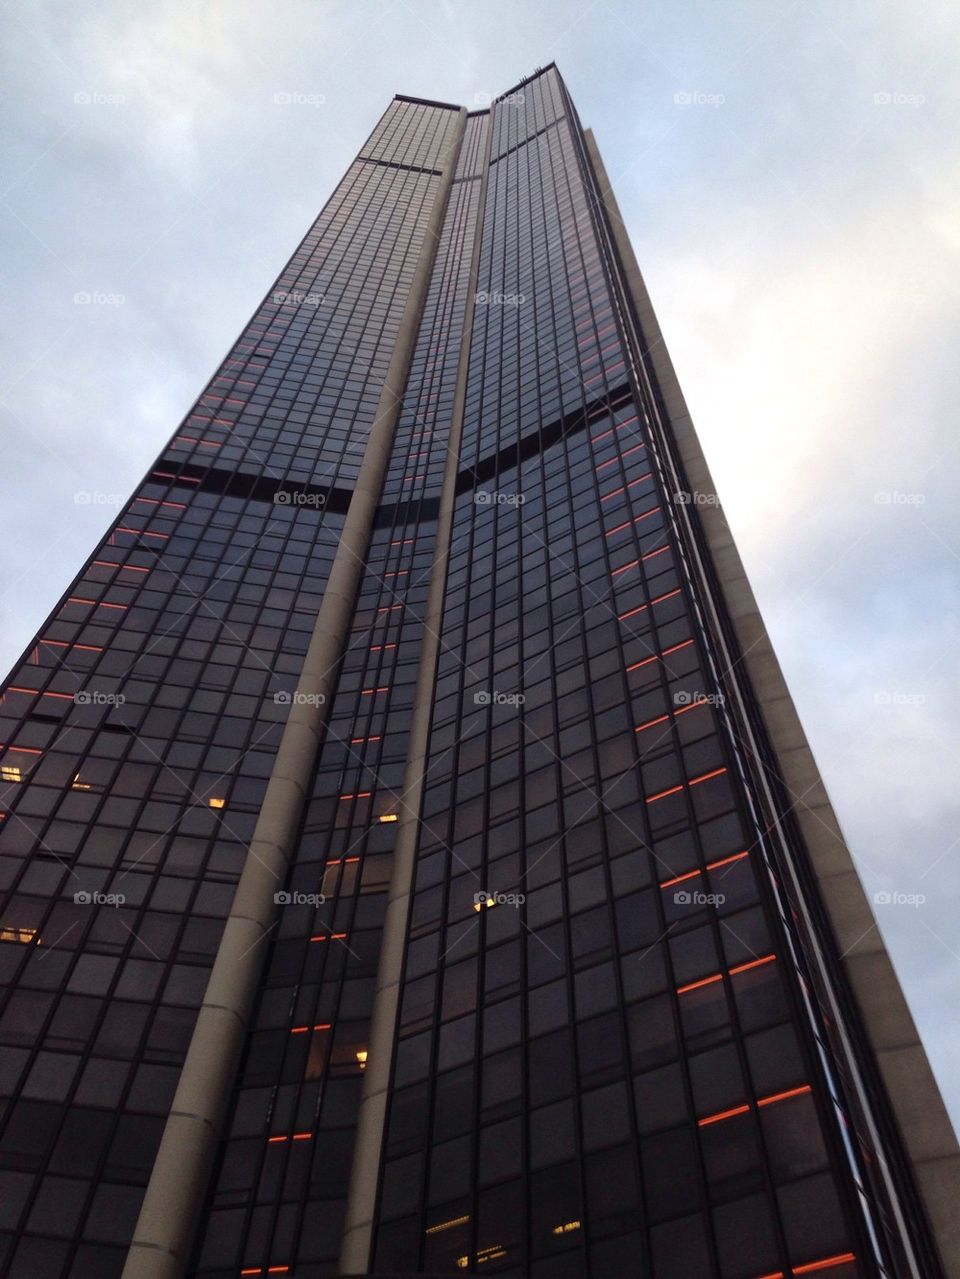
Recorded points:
(413, 863)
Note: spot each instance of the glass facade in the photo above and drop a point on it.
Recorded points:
(612, 1054)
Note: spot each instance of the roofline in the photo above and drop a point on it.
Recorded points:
(452, 106)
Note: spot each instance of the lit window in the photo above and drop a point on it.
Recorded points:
(362, 1058)
(447, 1225)
(491, 1253)
(77, 784)
(216, 802)
(389, 817)
(10, 773)
(24, 936)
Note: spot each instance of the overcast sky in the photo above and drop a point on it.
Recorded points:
(789, 175)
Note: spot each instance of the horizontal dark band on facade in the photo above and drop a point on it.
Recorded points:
(517, 145)
(262, 488)
(413, 511)
(392, 164)
(538, 441)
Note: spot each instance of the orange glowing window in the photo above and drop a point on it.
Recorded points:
(761, 1102)
(694, 781)
(76, 599)
(827, 1263)
(215, 801)
(139, 532)
(623, 488)
(636, 449)
(682, 710)
(715, 977)
(85, 648)
(714, 865)
(624, 568)
(636, 520)
(155, 501)
(660, 719)
(622, 617)
(130, 568)
(657, 657)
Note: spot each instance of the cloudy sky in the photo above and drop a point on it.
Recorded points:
(789, 174)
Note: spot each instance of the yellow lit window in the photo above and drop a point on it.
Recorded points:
(447, 1225)
(493, 1253)
(22, 935)
(216, 802)
(10, 773)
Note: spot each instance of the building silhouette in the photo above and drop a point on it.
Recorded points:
(413, 862)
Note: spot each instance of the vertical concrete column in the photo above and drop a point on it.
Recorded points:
(164, 1235)
(355, 1258)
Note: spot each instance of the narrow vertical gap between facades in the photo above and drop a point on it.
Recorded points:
(365, 1176)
